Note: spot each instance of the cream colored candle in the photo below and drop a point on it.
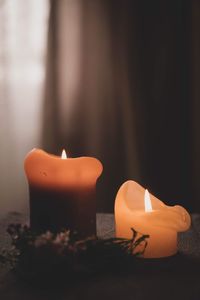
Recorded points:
(62, 192)
(135, 208)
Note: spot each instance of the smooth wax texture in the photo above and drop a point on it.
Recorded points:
(162, 223)
(62, 192)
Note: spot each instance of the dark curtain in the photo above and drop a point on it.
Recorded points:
(122, 85)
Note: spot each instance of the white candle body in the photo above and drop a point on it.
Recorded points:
(162, 223)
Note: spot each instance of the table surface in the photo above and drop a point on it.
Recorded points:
(172, 278)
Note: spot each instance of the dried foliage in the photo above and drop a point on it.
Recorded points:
(53, 254)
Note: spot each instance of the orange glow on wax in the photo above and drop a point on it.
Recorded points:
(147, 202)
(62, 192)
(136, 208)
(64, 154)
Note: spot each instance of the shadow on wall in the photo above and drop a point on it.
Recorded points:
(118, 89)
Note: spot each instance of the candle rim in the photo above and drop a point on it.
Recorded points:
(177, 222)
(59, 157)
(37, 159)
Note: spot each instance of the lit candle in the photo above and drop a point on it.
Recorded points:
(62, 192)
(135, 208)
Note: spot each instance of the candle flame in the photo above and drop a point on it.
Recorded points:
(64, 155)
(147, 201)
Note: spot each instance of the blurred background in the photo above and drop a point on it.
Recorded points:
(113, 79)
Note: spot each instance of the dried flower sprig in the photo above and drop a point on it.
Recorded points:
(64, 253)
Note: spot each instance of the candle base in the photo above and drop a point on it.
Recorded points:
(56, 210)
(159, 244)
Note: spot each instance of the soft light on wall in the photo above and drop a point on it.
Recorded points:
(23, 34)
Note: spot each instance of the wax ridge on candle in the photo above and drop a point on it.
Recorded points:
(61, 172)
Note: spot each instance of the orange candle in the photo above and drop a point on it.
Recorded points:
(136, 208)
(62, 192)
